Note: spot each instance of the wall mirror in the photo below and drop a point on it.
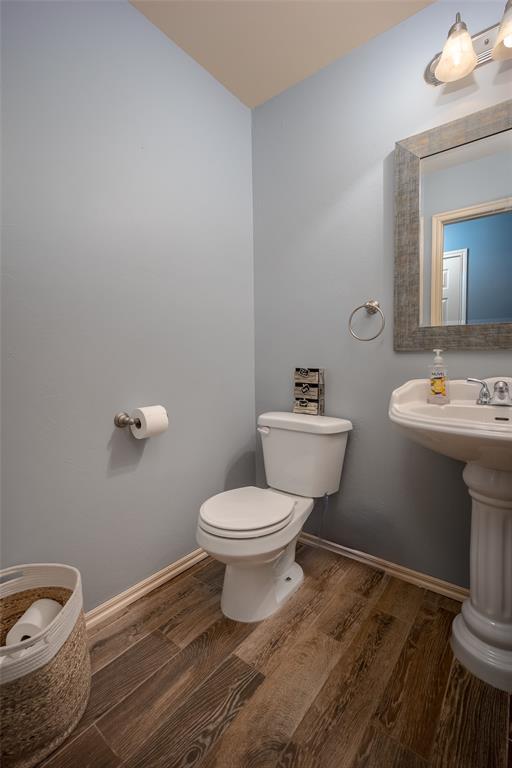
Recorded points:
(453, 235)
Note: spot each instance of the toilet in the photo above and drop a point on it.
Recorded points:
(254, 531)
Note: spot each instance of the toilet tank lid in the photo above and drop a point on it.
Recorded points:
(302, 422)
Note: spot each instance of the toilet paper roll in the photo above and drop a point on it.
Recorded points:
(152, 419)
(33, 621)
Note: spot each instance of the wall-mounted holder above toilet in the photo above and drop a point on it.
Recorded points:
(123, 419)
(372, 306)
(147, 421)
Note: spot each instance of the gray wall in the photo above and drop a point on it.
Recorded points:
(323, 208)
(128, 280)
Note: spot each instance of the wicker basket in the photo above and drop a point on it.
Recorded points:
(44, 681)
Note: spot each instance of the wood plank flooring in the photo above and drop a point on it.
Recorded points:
(355, 671)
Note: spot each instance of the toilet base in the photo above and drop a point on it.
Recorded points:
(261, 572)
(254, 592)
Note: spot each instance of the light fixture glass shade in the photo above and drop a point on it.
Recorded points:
(458, 58)
(503, 45)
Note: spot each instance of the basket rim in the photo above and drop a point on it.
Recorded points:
(33, 566)
(66, 611)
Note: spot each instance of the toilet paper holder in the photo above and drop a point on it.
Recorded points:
(123, 419)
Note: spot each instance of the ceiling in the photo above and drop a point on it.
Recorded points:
(258, 48)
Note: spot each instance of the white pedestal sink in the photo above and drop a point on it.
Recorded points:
(480, 435)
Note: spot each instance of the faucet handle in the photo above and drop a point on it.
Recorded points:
(501, 395)
(484, 398)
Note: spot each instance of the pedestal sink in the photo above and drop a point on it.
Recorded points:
(481, 436)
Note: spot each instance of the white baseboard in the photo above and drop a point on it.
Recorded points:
(398, 571)
(117, 603)
(106, 610)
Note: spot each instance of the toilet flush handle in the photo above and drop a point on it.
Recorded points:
(264, 430)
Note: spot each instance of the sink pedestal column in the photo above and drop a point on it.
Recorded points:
(482, 633)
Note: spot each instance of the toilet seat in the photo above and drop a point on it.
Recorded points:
(246, 513)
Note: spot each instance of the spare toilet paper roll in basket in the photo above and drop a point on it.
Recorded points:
(33, 621)
(152, 419)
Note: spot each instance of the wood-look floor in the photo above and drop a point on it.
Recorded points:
(355, 671)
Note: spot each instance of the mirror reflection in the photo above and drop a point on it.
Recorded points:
(466, 216)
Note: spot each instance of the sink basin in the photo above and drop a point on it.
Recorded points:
(480, 436)
(461, 429)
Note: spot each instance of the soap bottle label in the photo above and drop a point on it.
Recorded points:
(438, 384)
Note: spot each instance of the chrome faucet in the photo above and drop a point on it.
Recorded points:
(484, 397)
(500, 396)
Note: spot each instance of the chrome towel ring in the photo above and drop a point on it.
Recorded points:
(372, 306)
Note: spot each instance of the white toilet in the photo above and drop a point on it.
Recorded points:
(254, 531)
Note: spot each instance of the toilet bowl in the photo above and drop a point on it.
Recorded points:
(254, 531)
(261, 571)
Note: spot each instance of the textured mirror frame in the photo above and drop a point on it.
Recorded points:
(409, 336)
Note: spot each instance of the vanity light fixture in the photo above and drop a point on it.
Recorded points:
(458, 58)
(503, 45)
(462, 52)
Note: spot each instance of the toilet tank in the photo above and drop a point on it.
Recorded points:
(303, 454)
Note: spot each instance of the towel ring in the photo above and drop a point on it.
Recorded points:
(372, 306)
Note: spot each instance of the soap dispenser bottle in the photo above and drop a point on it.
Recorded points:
(438, 385)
